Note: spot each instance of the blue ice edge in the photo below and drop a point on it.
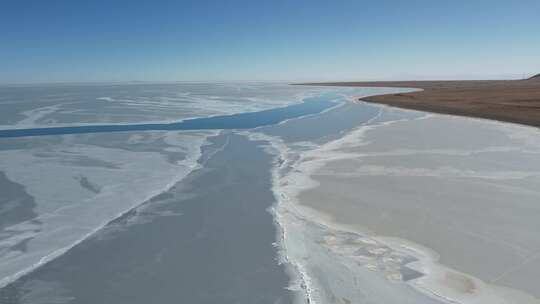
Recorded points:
(249, 120)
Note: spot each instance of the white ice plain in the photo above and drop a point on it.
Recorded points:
(447, 206)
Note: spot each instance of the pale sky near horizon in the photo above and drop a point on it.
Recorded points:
(278, 40)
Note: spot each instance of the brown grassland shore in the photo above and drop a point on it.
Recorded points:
(516, 101)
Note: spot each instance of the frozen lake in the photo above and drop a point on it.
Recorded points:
(242, 193)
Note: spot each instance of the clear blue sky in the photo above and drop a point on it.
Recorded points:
(93, 40)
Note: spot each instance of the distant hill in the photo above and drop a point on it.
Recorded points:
(537, 76)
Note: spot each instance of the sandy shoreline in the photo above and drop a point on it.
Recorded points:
(516, 101)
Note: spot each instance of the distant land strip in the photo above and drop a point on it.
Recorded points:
(516, 101)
